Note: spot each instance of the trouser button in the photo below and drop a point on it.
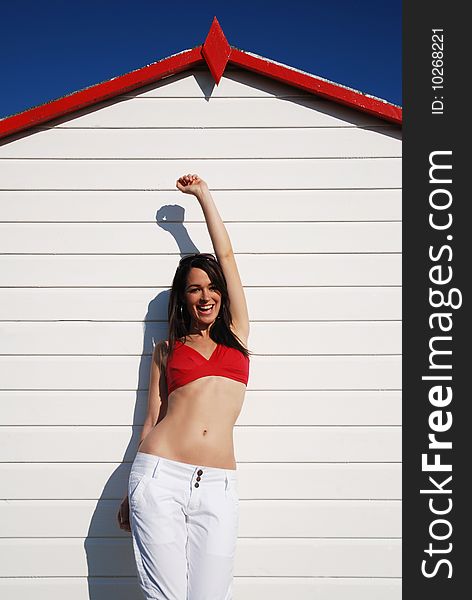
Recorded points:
(199, 472)
(197, 484)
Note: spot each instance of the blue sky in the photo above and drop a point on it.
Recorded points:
(54, 47)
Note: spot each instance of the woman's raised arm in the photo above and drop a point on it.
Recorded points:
(192, 184)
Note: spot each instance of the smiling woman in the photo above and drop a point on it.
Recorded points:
(182, 506)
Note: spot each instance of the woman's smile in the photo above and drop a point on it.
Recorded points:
(206, 308)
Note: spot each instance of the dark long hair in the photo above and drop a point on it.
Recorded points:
(178, 315)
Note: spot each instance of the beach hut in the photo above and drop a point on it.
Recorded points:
(307, 176)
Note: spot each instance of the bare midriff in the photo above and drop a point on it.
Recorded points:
(198, 426)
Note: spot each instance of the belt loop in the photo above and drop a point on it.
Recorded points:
(226, 481)
(155, 467)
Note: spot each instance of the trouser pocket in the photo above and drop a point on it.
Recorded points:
(136, 484)
(143, 470)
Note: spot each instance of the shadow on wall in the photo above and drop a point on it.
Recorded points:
(111, 567)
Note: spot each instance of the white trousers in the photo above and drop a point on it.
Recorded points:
(184, 524)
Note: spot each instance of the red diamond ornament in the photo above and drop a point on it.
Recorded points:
(216, 50)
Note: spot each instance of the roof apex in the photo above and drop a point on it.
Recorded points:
(216, 50)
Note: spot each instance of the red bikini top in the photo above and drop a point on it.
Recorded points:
(187, 364)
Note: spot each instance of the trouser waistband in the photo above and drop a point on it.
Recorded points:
(148, 464)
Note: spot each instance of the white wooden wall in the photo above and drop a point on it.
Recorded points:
(310, 193)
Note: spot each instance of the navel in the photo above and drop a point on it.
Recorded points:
(204, 432)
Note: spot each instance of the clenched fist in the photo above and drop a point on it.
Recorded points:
(191, 184)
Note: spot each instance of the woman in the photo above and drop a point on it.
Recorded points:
(182, 506)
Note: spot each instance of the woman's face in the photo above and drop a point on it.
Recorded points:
(202, 299)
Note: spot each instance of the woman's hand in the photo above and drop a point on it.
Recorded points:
(123, 515)
(191, 184)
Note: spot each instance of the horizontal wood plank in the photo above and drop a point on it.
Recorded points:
(158, 174)
(233, 205)
(245, 588)
(266, 372)
(256, 481)
(254, 557)
(255, 270)
(276, 337)
(246, 143)
(145, 306)
(147, 238)
(258, 518)
(257, 443)
(202, 112)
(275, 407)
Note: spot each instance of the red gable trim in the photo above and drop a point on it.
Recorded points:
(321, 87)
(216, 52)
(101, 91)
